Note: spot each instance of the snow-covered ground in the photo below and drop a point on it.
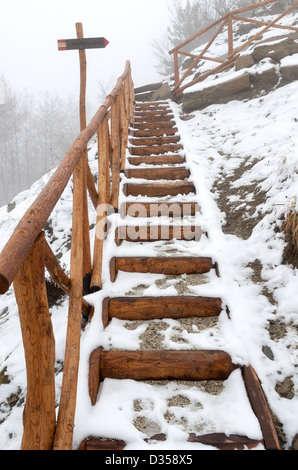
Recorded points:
(258, 137)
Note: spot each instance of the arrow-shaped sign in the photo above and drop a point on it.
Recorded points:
(80, 44)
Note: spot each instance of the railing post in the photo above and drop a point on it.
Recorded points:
(230, 36)
(83, 123)
(176, 68)
(39, 345)
(103, 139)
(64, 430)
(116, 151)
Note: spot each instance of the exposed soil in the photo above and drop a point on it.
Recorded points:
(239, 203)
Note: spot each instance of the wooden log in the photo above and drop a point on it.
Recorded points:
(166, 173)
(94, 377)
(147, 142)
(199, 57)
(219, 440)
(152, 104)
(64, 430)
(158, 189)
(263, 23)
(171, 131)
(269, 25)
(165, 209)
(103, 201)
(144, 114)
(155, 149)
(102, 444)
(152, 118)
(230, 36)
(260, 407)
(153, 233)
(223, 442)
(161, 265)
(154, 125)
(55, 270)
(145, 308)
(39, 345)
(124, 124)
(165, 365)
(116, 151)
(83, 124)
(157, 160)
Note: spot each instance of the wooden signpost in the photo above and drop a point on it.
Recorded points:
(80, 263)
(81, 44)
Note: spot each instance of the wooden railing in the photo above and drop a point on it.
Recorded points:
(27, 254)
(232, 54)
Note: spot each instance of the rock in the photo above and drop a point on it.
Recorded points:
(187, 117)
(163, 93)
(289, 72)
(266, 79)
(244, 61)
(268, 352)
(218, 93)
(285, 388)
(276, 51)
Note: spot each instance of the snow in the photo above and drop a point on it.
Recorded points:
(262, 134)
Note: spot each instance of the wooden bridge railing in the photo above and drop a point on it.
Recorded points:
(27, 254)
(232, 54)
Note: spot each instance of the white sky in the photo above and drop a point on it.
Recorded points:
(29, 30)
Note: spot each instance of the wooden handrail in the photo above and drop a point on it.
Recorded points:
(27, 254)
(232, 54)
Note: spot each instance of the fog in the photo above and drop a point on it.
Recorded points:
(29, 30)
(39, 109)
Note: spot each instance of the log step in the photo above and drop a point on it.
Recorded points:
(155, 132)
(157, 365)
(148, 117)
(153, 308)
(164, 209)
(154, 125)
(140, 114)
(155, 149)
(158, 189)
(218, 440)
(152, 104)
(153, 233)
(166, 173)
(148, 141)
(157, 160)
(161, 265)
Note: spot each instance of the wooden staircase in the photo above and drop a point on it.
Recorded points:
(154, 141)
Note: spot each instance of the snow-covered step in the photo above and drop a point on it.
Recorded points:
(172, 265)
(159, 209)
(154, 140)
(153, 233)
(158, 189)
(165, 173)
(152, 308)
(157, 160)
(155, 149)
(171, 131)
